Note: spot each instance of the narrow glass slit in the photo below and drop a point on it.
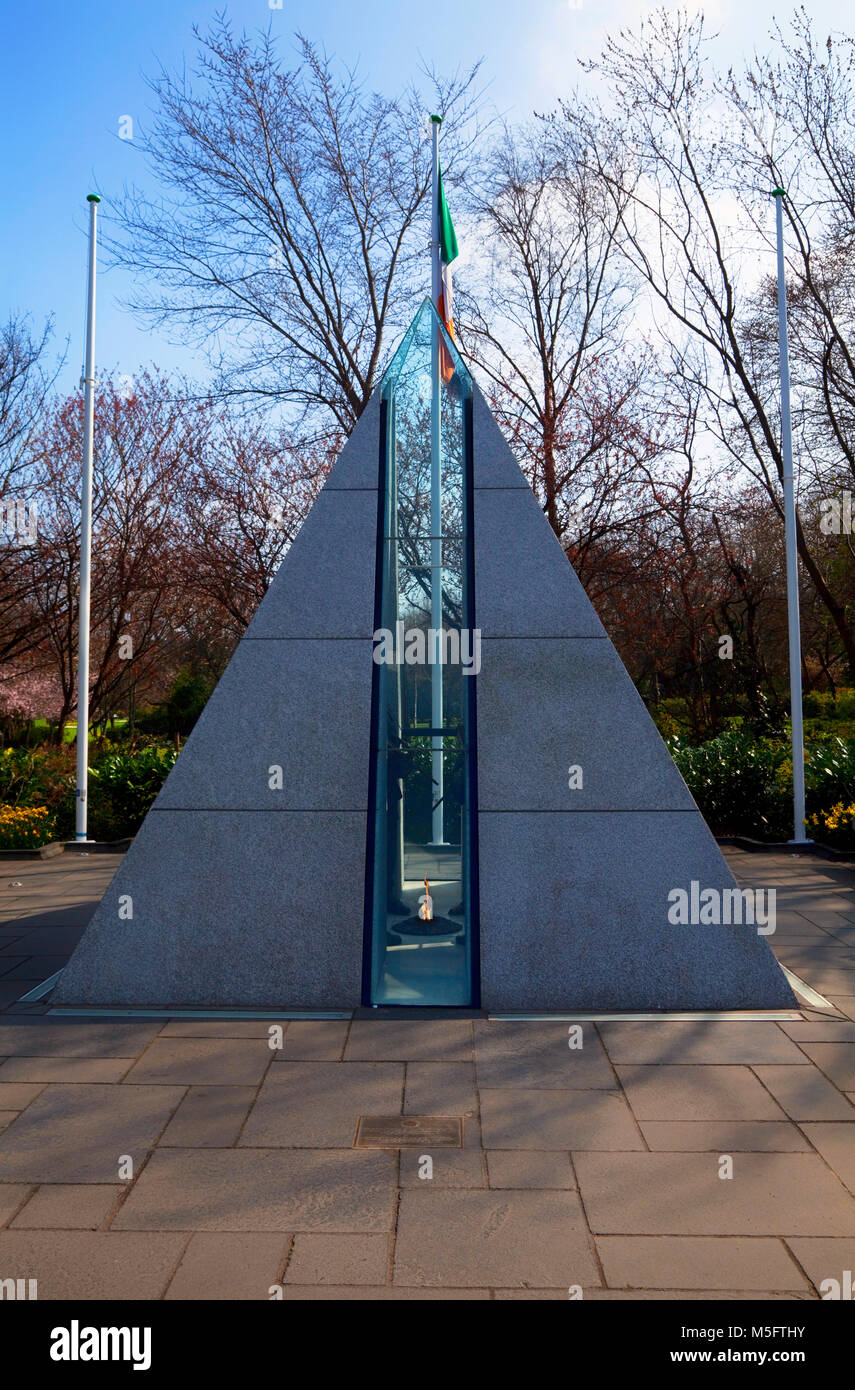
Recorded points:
(423, 933)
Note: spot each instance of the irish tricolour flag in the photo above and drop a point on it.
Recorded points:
(447, 253)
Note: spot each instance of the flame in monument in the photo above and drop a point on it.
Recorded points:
(426, 909)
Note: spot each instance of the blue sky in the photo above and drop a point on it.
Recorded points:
(69, 72)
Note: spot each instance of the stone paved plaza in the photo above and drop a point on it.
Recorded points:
(187, 1160)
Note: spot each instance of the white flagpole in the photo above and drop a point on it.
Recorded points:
(436, 718)
(795, 646)
(86, 539)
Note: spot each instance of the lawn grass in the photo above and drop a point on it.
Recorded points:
(43, 726)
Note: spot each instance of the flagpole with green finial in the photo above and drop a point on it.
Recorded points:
(88, 384)
(436, 720)
(793, 628)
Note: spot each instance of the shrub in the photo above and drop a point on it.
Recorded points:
(122, 787)
(835, 827)
(25, 827)
(178, 713)
(736, 781)
(744, 785)
(36, 777)
(829, 773)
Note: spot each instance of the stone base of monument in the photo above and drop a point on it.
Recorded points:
(414, 926)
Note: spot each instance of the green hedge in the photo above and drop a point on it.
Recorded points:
(122, 786)
(743, 785)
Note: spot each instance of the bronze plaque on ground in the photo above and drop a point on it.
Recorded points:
(409, 1131)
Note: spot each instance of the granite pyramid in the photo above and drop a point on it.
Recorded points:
(246, 887)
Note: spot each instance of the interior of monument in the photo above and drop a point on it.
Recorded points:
(421, 862)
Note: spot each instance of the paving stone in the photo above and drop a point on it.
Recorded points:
(32, 969)
(513, 1055)
(507, 1238)
(472, 1138)
(645, 1044)
(218, 1028)
(663, 1262)
(77, 1133)
(12, 1196)
(724, 1136)
(786, 878)
(786, 940)
(819, 1030)
(836, 1059)
(819, 907)
(836, 1143)
(312, 1105)
(335, 1294)
(6, 1118)
(338, 1259)
(829, 980)
(697, 1093)
(47, 1069)
(8, 964)
(262, 1190)
(518, 1168)
(69, 1207)
(532, 1295)
(418, 1041)
(17, 1095)
(229, 1266)
(824, 1258)
(314, 1040)
(209, 1117)
(828, 912)
(105, 1265)
(844, 1002)
(805, 1095)
(46, 940)
(688, 1296)
(440, 1088)
(451, 1168)
(821, 955)
(535, 1119)
(109, 1039)
(201, 1061)
(682, 1194)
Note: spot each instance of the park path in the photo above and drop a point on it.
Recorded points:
(189, 1160)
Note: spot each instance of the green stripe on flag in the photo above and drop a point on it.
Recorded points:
(447, 236)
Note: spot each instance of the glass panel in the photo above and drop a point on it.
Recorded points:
(422, 947)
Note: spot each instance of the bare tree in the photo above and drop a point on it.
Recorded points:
(25, 384)
(795, 110)
(243, 500)
(546, 326)
(681, 164)
(296, 209)
(145, 437)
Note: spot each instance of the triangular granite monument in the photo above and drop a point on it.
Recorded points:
(341, 830)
